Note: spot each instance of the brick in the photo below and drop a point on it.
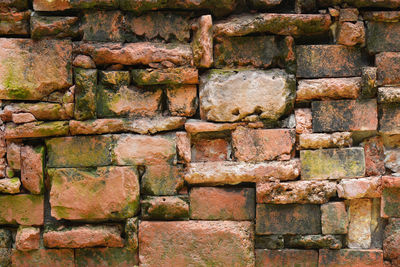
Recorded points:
(110, 30)
(357, 115)
(21, 80)
(313, 241)
(21, 209)
(303, 24)
(303, 118)
(348, 14)
(43, 257)
(182, 100)
(347, 257)
(165, 76)
(27, 238)
(42, 111)
(196, 243)
(256, 51)
(202, 44)
(162, 179)
(84, 236)
(388, 70)
(131, 233)
(269, 241)
(75, 193)
(311, 192)
(85, 93)
(142, 53)
(210, 150)
(22, 118)
(58, 27)
(229, 96)
(351, 34)
(392, 160)
(253, 145)
(6, 239)
(5, 256)
(369, 187)
(194, 127)
(378, 224)
(157, 25)
(183, 146)
(320, 140)
(144, 150)
(36, 129)
(390, 197)
(382, 16)
(211, 203)
(14, 22)
(79, 151)
(391, 240)
(368, 82)
(165, 208)
(286, 258)
(332, 163)
(383, 36)
(334, 218)
(288, 219)
(32, 165)
(389, 94)
(14, 154)
(10, 185)
(120, 257)
(233, 173)
(389, 118)
(359, 234)
(85, 62)
(19, 4)
(374, 156)
(320, 61)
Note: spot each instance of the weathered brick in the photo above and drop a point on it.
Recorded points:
(348, 257)
(85, 62)
(85, 93)
(286, 258)
(75, 193)
(162, 179)
(202, 43)
(211, 203)
(269, 241)
(5, 256)
(165, 76)
(227, 95)
(55, 26)
(144, 150)
(22, 118)
(196, 243)
(109, 30)
(388, 68)
(368, 82)
(10, 185)
(369, 187)
(382, 16)
(183, 147)
(14, 23)
(43, 257)
(392, 160)
(351, 34)
(84, 236)
(210, 150)
(14, 154)
(321, 140)
(313, 241)
(27, 238)
(120, 257)
(312, 192)
(79, 151)
(332, 163)
(21, 209)
(32, 165)
(355, 115)
(253, 145)
(165, 208)
(374, 156)
(359, 233)
(42, 111)
(22, 80)
(389, 118)
(234, 173)
(288, 219)
(348, 14)
(389, 94)
(36, 129)
(303, 118)
(334, 218)
(390, 197)
(391, 240)
(182, 100)
(6, 239)
(319, 61)
(383, 36)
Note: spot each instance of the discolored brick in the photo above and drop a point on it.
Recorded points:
(210, 150)
(162, 180)
(165, 208)
(389, 118)
(347, 257)
(120, 257)
(390, 197)
(388, 68)
(374, 156)
(383, 36)
(182, 100)
(22, 209)
(286, 258)
(43, 257)
(369, 187)
(85, 93)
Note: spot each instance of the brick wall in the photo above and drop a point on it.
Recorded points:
(200, 133)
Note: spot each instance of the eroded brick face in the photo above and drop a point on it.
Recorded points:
(199, 133)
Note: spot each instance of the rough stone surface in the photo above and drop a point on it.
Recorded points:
(303, 120)
(392, 161)
(14, 23)
(10, 185)
(84, 236)
(182, 100)
(369, 187)
(21, 209)
(279, 219)
(334, 218)
(254, 145)
(351, 34)
(359, 234)
(269, 241)
(23, 81)
(332, 163)
(54, 26)
(320, 140)
(344, 115)
(196, 243)
(110, 30)
(233, 173)
(5, 238)
(389, 115)
(32, 168)
(85, 92)
(389, 94)
(368, 82)
(328, 88)
(22, 118)
(184, 75)
(183, 146)
(27, 238)
(75, 192)
(312, 192)
(210, 203)
(347, 257)
(164, 208)
(320, 61)
(267, 94)
(283, 257)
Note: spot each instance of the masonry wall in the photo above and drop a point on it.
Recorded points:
(200, 133)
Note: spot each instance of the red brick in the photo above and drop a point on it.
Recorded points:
(164, 208)
(286, 258)
(391, 242)
(348, 14)
(182, 100)
(32, 168)
(210, 150)
(27, 238)
(303, 120)
(369, 187)
(390, 197)
(162, 179)
(351, 258)
(374, 156)
(196, 243)
(202, 44)
(211, 203)
(255, 145)
(351, 34)
(334, 218)
(105, 257)
(43, 258)
(383, 36)
(165, 76)
(22, 209)
(388, 64)
(183, 146)
(389, 118)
